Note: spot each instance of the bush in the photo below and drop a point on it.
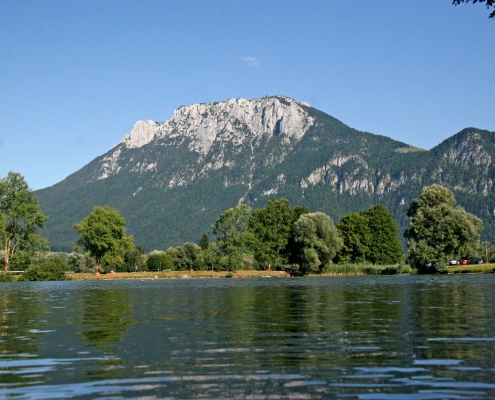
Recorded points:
(6, 277)
(51, 269)
(22, 260)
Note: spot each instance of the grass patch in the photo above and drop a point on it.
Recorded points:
(472, 269)
(408, 149)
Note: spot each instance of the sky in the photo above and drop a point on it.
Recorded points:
(76, 75)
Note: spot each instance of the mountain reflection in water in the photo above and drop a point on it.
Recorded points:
(385, 337)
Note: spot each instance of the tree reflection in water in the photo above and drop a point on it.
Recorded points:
(106, 315)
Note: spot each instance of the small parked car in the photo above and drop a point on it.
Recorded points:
(463, 262)
(454, 262)
(478, 261)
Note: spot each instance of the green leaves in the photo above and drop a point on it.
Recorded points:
(318, 240)
(271, 227)
(356, 234)
(439, 230)
(20, 218)
(103, 233)
(369, 236)
(384, 246)
(232, 237)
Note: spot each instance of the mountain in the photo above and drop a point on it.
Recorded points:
(172, 179)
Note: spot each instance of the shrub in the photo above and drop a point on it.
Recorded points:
(6, 277)
(51, 269)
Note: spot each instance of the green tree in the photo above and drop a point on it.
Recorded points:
(384, 246)
(103, 233)
(158, 261)
(439, 230)
(318, 241)
(22, 260)
(232, 236)
(211, 257)
(489, 3)
(20, 218)
(132, 259)
(204, 242)
(291, 251)
(355, 232)
(271, 227)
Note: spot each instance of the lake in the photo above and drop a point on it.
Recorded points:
(370, 337)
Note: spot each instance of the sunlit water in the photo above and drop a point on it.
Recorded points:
(409, 337)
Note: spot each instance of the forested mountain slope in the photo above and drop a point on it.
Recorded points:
(172, 179)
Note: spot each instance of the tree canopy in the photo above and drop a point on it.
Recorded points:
(231, 234)
(356, 237)
(439, 230)
(271, 226)
(318, 241)
(384, 246)
(369, 236)
(103, 233)
(488, 3)
(20, 218)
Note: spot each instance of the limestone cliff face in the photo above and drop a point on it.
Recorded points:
(236, 123)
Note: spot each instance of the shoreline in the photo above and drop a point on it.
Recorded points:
(453, 270)
(178, 275)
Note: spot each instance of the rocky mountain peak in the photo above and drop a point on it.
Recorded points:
(206, 122)
(142, 133)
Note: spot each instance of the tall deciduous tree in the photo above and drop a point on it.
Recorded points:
(271, 226)
(20, 218)
(102, 233)
(318, 241)
(231, 234)
(355, 232)
(439, 230)
(370, 236)
(384, 246)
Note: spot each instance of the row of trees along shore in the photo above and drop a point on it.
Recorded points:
(276, 236)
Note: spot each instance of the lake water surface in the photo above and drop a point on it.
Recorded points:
(390, 337)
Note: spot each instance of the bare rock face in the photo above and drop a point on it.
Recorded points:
(205, 123)
(235, 122)
(142, 133)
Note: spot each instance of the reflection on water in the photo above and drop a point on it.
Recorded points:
(409, 337)
(105, 313)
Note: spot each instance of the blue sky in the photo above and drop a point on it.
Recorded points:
(76, 75)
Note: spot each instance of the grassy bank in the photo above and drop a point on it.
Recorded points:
(472, 269)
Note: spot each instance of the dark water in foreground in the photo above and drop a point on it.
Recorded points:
(409, 337)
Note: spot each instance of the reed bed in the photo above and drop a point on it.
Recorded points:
(366, 269)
